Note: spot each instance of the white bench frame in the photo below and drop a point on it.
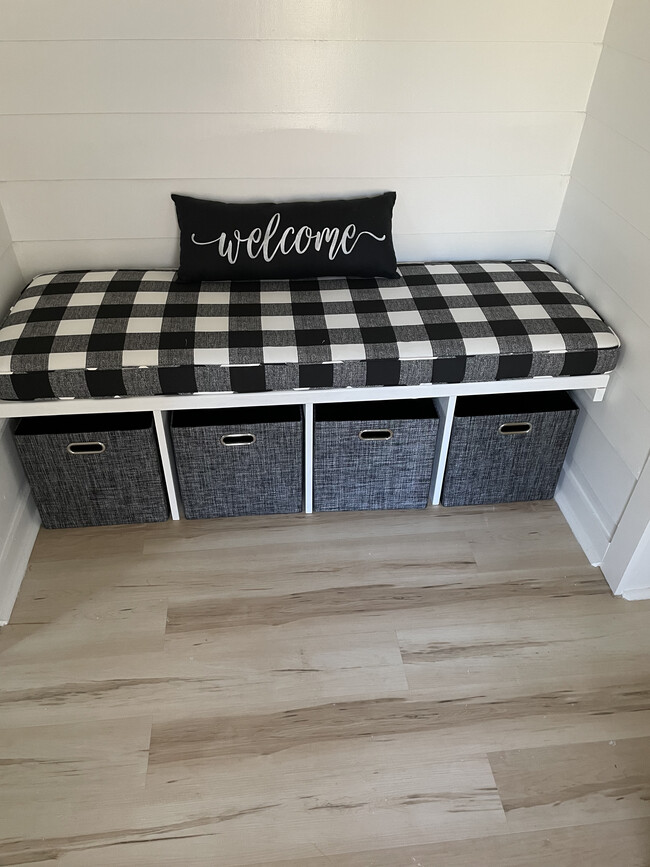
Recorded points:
(443, 395)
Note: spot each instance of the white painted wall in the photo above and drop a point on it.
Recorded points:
(603, 245)
(19, 520)
(471, 111)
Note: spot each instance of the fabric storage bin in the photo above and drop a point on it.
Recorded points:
(373, 455)
(507, 448)
(93, 470)
(239, 461)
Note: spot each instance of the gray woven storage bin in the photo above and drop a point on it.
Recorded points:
(93, 470)
(507, 448)
(352, 472)
(259, 474)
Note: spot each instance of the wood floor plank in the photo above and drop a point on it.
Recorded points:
(103, 623)
(54, 545)
(77, 761)
(265, 650)
(39, 863)
(144, 685)
(288, 806)
(297, 530)
(265, 733)
(201, 757)
(524, 544)
(626, 843)
(202, 752)
(338, 601)
(312, 562)
(198, 749)
(50, 591)
(574, 784)
(348, 608)
(205, 577)
(264, 570)
(503, 657)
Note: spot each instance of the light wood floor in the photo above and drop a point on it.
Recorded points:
(451, 687)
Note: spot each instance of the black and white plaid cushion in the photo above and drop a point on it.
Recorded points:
(108, 333)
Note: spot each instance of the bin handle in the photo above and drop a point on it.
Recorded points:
(86, 448)
(516, 427)
(380, 434)
(240, 439)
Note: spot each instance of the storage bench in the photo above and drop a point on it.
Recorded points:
(87, 342)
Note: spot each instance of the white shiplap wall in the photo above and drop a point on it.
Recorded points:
(18, 518)
(603, 244)
(471, 111)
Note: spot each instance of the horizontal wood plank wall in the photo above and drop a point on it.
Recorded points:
(471, 111)
(416, 20)
(603, 244)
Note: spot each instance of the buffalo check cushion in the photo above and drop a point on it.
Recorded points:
(108, 333)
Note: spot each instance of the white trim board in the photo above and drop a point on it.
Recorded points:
(16, 551)
(583, 520)
(636, 595)
(595, 383)
(626, 564)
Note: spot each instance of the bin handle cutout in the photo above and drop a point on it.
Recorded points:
(86, 448)
(381, 434)
(514, 427)
(242, 439)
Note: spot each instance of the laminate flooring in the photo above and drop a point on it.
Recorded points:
(446, 688)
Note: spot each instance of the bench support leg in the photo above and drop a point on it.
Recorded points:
(308, 410)
(445, 407)
(167, 460)
(596, 394)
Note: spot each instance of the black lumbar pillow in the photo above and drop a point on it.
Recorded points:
(285, 240)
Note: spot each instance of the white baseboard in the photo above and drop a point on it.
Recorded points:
(14, 554)
(581, 516)
(636, 595)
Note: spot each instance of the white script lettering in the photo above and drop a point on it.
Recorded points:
(291, 239)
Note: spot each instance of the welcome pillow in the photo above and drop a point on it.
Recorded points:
(285, 240)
